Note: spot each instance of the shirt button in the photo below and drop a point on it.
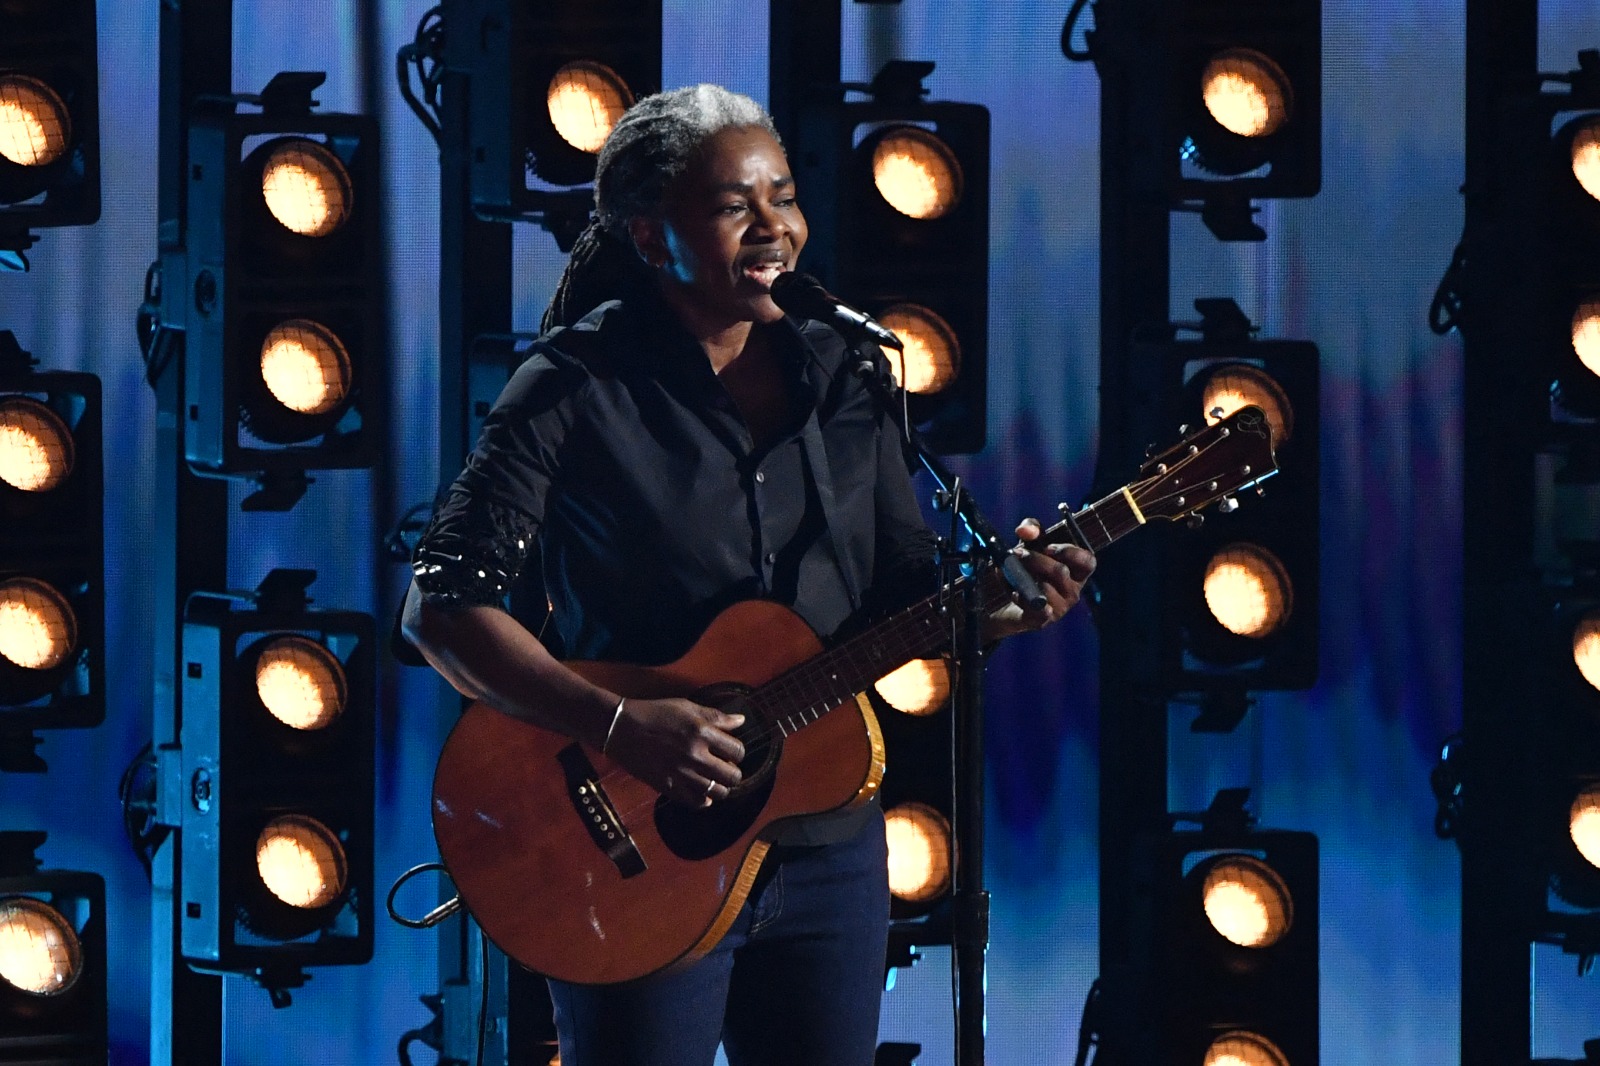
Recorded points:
(760, 477)
(772, 557)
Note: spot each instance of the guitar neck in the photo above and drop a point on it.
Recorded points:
(800, 696)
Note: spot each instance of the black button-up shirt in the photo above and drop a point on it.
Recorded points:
(618, 450)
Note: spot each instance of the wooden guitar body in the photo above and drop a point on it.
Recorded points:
(580, 871)
(522, 830)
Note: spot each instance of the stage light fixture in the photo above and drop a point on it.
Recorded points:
(916, 793)
(300, 682)
(35, 445)
(585, 100)
(1248, 591)
(305, 367)
(915, 172)
(278, 754)
(919, 853)
(49, 117)
(39, 951)
(284, 367)
(931, 359)
(1246, 901)
(52, 960)
(1586, 648)
(1583, 825)
(1246, 92)
(38, 629)
(1244, 98)
(35, 126)
(1568, 317)
(549, 81)
(51, 553)
(921, 687)
(1563, 786)
(1225, 966)
(1244, 1049)
(301, 862)
(306, 187)
(1244, 582)
(1585, 155)
(1227, 387)
(897, 196)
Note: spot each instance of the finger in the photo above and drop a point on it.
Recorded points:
(1080, 561)
(1029, 529)
(721, 745)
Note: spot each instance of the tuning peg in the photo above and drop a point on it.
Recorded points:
(1195, 521)
(1183, 430)
(1063, 508)
(1228, 504)
(1216, 412)
(1150, 451)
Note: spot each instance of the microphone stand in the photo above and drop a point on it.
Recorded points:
(969, 903)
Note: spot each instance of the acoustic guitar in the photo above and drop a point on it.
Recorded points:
(580, 871)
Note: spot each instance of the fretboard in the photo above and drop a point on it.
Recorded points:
(805, 693)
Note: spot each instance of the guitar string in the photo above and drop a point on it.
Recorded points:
(899, 629)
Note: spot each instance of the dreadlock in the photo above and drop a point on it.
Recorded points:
(647, 151)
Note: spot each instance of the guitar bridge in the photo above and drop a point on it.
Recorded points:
(599, 817)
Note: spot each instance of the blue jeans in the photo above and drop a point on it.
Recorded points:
(796, 981)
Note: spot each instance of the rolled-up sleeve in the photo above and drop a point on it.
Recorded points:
(481, 533)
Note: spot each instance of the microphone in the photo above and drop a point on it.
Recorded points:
(803, 296)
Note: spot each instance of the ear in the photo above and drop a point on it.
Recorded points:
(649, 240)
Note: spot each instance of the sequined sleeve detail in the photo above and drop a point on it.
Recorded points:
(472, 551)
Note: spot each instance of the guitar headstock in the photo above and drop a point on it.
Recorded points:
(1208, 465)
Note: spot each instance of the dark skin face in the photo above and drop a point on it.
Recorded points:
(730, 225)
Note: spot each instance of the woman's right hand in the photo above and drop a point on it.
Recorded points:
(681, 749)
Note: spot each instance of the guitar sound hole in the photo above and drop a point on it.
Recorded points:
(708, 831)
(763, 744)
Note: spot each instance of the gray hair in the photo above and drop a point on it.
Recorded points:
(647, 151)
(653, 143)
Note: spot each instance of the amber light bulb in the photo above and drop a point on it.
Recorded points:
(301, 862)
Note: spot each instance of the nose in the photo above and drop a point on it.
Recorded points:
(769, 225)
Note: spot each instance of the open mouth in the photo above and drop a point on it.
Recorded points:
(763, 274)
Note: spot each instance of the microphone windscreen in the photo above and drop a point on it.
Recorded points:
(802, 295)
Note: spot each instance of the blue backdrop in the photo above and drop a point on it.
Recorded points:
(1352, 269)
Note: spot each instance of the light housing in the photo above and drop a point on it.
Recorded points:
(1569, 323)
(1226, 959)
(546, 80)
(52, 547)
(49, 115)
(285, 360)
(1565, 793)
(1244, 98)
(1244, 585)
(278, 771)
(916, 793)
(52, 960)
(926, 278)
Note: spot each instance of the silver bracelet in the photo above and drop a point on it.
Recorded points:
(616, 716)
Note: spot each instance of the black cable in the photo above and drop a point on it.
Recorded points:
(433, 917)
(1077, 55)
(1089, 1026)
(426, 53)
(400, 541)
(1444, 313)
